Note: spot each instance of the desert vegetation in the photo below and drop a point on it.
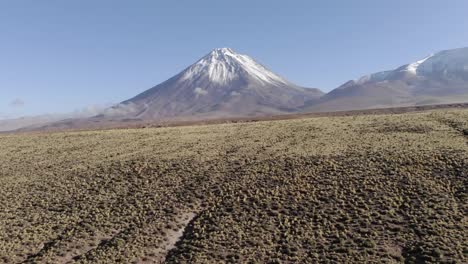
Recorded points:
(375, 188)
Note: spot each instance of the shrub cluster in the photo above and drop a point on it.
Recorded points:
(387, 188)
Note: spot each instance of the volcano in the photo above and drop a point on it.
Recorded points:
(221, 84)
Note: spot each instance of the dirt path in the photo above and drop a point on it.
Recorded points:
(171, 238)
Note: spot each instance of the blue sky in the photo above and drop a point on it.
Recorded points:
(59, 56)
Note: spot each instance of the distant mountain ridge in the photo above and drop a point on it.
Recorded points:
(437, 79)
(225, 84)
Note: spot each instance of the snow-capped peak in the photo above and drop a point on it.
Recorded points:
(413, 67)
(223, 50)
(446, 63)
(223, 65)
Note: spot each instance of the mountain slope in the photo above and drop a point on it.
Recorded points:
(439, 78)
(221, 84)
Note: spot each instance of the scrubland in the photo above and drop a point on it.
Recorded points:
(366, 188)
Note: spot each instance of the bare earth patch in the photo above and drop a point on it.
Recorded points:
(173, 235)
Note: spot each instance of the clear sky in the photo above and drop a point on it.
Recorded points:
(59, 56)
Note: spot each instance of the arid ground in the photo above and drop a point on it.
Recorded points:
(387, 188)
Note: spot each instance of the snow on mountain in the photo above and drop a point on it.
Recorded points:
(437, 79)
(220, 84)
(375, 77)
(224, 65)
(413, 67)
(448, 63)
